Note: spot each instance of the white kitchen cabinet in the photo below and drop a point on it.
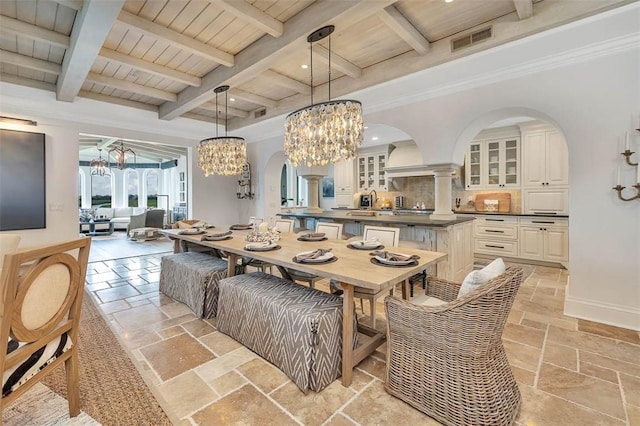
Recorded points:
(552, 200)
(545, 159)
(344, 183)
(544, 239)
(493, 163)
(496, 235)
(370, 171)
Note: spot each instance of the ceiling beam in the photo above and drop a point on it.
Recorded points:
(21, 81)
(251, 14)
(393, 19)
(105, 143)
(117, 101)
(524, 8)
(29, 62)
(90, 29)
(267, 51)
(337, 62)
(181, 41)
(13, 26)
(162, 149)
(73, 4)
(150, 67)
(130, 86)
(284, 81)
(230, 111)
(253, 98)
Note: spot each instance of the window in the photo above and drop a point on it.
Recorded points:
(100, 191)
(131, 183)
(152, 189)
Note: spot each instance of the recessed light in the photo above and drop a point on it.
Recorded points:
(448, 1)
(232, 99)
(366, 127)
(304, 66)
(375, 138)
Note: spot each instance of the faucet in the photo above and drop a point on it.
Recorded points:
(373, 200)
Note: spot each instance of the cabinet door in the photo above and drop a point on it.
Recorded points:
(343, 177)
(494, 160)
(534, 159)
(473, 169)
(380, 164)
(556, 158)
(556, 244)
(531, 243)
(362, 173)
(511, 163)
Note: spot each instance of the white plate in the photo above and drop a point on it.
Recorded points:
(260, 246)
(191, 231)
(214, 238)
(366, 244)
(319, 259)
(308, 238)
(393, 262)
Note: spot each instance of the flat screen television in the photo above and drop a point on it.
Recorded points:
(22, 180)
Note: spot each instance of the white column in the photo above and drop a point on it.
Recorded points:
(443, 210)
(313, 181)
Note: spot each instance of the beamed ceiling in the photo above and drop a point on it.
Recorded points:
(167, 56)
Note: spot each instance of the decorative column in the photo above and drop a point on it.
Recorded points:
(313, 175)
(443, 175)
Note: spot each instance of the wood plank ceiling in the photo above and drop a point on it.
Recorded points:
(169, 55)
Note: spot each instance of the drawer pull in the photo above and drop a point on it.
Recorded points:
(494, 231)
(492, 246)
(494, 220)
(543, 221)
(545, 213)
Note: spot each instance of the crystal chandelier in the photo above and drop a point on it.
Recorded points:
(225, 155)
(120, 154)
(99, 167)
(324, 132)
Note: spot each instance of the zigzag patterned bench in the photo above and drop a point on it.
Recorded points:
(296, 328)
(192, 278)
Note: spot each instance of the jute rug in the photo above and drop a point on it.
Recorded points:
(111, 389)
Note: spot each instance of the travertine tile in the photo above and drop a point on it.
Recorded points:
(263, 375)
(97, 286)
(633, 414)
(525, 335)
(176, 309)
(562, 356)
(374, 406)
(523, 356)
(631, 389)
(533, 324)
(561, 322)
(610, 331)
(186, 393)
(102, 277)
(220, 343)
(198, 328)
(176, 355)
(610, 363)
(139, 303)
(225, 363)
(167, 323)
(541, 408)
(246, 406)
(339, 420)
(139, 338)
(599, 372)
(227, 383)
(167, 333)
(111, 294)
(374, 366)
(115, 306)
(600, 345)
(139, 317)
(523, 376)
(581, 389)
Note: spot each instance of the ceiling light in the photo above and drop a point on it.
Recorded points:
(366, 127)
(99, 167)
(448, 1)
(304, 66)
(120, 155)
(325, 132)
(374, 138)
(232, 99)
(224, 155)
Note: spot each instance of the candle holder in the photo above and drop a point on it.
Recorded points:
(627, 156)
(620, 188)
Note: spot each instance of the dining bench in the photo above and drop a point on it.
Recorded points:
(296, 328)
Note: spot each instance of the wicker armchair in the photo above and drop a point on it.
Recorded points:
(448, 361)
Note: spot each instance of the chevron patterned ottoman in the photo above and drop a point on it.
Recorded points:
(192, 278)
(296, 328)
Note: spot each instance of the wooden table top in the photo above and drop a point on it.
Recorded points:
(352, 267)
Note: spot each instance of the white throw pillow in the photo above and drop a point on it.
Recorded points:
(476, 278)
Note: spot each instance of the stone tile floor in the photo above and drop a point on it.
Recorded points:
(570, 371)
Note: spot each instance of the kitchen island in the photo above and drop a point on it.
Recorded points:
(453, 237)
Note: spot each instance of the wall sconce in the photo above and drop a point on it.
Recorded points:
(23, 121)
(627, 156)
(244, 184)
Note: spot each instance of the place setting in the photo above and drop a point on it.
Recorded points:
(191, 231)
(394, 260)
(220, 236)
(241, 226)
(319, 256)
(262, 246)
(312, 236)
(371, 244)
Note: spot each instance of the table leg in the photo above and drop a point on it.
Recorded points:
(347, 334)
(176, 245)
(232, 261)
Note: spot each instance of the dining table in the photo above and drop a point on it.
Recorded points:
(352, 268)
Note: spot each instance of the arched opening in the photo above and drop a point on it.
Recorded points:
(131, 188)
(101, 191)
(152, 186)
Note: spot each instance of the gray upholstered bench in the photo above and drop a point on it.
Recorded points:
(296, 328)
(192, 278)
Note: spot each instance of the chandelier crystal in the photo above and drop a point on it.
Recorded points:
(99, 167)
(324, 132)
(224, 155)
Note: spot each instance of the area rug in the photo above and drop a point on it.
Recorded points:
(111, 389)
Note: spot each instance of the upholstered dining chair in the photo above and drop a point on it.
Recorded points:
(284, 226)
(446, 358)
(331, 231)
(41, 304)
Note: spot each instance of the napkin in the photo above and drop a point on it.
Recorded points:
(395, 257)
(190, 231)
(218, 235)
(313, 235)
(313, 255)
(240, 226)
(368, 243)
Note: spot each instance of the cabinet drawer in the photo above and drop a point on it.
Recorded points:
(543, 222)
(508, 232)
(546, 201)
(506, 248)
(496, 221)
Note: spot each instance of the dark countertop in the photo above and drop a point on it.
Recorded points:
(513, 214)
(410, 219)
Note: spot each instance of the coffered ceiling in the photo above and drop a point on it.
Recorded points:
(167, 56)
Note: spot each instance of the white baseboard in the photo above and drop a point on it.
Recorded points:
(619, 316)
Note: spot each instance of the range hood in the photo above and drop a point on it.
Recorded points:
(406, 161)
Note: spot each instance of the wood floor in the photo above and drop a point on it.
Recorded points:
(118, 246)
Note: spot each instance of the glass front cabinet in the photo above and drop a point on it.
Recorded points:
(493, 164)
(371, 171)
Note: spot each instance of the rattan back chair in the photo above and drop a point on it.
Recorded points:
(448, 361)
